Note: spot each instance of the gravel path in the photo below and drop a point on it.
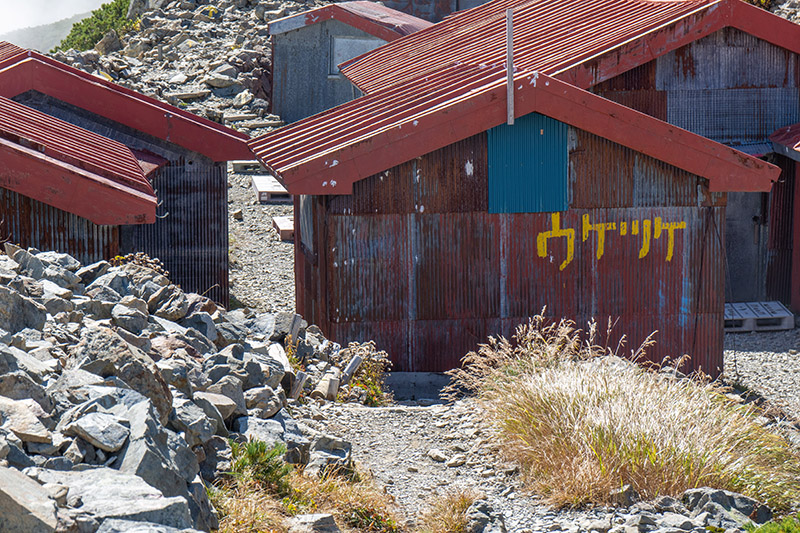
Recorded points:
(394, 444)
(261, 265)
(768, 364)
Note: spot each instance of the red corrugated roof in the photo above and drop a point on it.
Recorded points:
(579, 41)
(71, 168)
(327, 153)
(8, 50)
(373, 18)
(788, 137)
(71, 144)
(21, 72)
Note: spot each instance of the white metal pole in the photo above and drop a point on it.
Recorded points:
(510, 66)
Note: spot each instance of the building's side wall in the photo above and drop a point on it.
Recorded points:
(191, 235)
(31, 223)
(303, 83)
(414, 260)
(736, 89)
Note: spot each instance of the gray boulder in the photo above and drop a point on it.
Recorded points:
(482, 518)
(329, 454)
(25, 419)
(62, 260)
(18, 385)
(313, 523)
(169, 303)
(280, 428)
(105, 493)
(231, 387)
(192, 421)
(103, 352)
(116, 280)
(18, 312)
(89, 273)
(25, 506)
(128, 317)
(264, 401)
(101, 430)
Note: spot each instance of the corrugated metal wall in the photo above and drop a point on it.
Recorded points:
(528, 166)
(733, 88)
(192, 237)
(414, 260)
(781, 233)
(192, 241)
(29, 222)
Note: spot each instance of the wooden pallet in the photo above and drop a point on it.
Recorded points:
(757, 316)
(285, 227)
(268, 189)
(246, 167)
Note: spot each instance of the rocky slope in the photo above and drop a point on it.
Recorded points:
(118, 392)
(211, 58)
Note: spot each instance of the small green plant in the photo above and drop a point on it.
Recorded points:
(255, 461)
(790, 524)
(368, 518)
(86, 33)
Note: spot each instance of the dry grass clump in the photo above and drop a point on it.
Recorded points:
(246, 508)
(357, 502)
(583, 422)
(448, 512)
(262, 492)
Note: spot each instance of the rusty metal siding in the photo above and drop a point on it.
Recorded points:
(192, 237)
(430, 286)
(729, 86)
(606, 174)
(781, 232)
(29, 222)
(727, 59)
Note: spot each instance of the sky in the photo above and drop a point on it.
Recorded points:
(23, 13)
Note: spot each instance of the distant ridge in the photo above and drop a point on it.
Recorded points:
(43, 38)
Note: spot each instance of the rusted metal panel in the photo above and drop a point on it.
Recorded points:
(650, 102)
(429, 286)
(29, 222)
(366, 260)
(781, 228)
(734, 116)
(191, 235)
(606, 174)
(727, 59)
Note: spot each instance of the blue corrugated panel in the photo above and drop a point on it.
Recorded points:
(528, 166)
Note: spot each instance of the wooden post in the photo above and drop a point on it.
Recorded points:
(510, 66)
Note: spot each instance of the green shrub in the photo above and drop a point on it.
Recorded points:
(256, 461)
(583, 422)
(86, 33)
(790, 524)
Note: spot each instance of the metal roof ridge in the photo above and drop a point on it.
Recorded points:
(311, 167)
(160, 116)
